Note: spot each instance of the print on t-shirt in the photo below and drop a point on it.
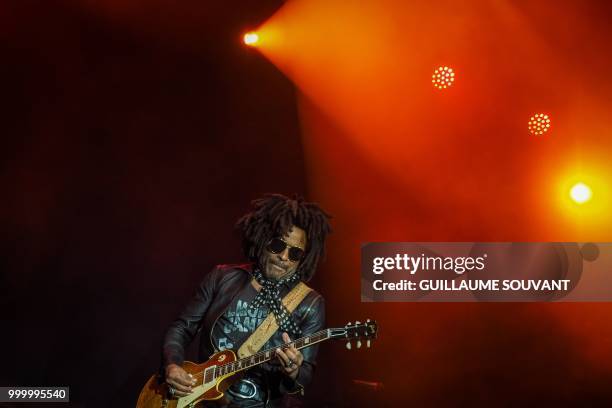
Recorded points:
(238, 323)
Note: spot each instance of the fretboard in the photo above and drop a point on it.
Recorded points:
(263, 356)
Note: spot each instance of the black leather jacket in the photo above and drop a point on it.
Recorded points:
(212, 298)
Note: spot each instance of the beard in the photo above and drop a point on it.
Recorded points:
(275, 269)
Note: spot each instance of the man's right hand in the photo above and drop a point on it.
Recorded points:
(179, 379)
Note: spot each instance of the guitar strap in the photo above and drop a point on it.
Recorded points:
(269, 326)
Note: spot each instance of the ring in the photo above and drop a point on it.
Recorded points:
(171, 390)
(291, 363)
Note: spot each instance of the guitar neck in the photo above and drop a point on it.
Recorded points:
(267, 355)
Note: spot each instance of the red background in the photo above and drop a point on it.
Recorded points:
(135, 134)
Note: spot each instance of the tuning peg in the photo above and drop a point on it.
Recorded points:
(358, 343)
(368, 343)
(348, 345)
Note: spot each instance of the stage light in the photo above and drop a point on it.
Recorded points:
(583, 195)
(251, 39)
(539, 123)
(580, 193)
(443, 77)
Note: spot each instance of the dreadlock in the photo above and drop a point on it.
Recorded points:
(273, 215)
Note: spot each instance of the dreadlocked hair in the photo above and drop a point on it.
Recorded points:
(273, 216)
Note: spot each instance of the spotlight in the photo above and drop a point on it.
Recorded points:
(580, 193)
(443, 77)
(251, 39)
(539, 123)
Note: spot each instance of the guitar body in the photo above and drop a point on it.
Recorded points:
(155, 393)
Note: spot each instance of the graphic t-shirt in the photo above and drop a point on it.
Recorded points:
(233, 328)
(239, 322)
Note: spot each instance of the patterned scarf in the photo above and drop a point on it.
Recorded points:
(269, 295)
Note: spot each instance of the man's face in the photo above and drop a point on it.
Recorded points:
(278, 266)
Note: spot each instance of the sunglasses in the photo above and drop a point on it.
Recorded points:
(277, 245)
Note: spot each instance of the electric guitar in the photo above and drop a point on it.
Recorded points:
(216, 375)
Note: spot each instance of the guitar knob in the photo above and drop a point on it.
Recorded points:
(358, 343)
(368, 320)
(357, 322)
(348, 345)
(368, 343)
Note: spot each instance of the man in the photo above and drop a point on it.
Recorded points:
(284, 239)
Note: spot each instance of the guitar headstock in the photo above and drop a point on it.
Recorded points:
(355, 332)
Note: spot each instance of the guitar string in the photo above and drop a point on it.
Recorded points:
(200, 374)
(271, 350)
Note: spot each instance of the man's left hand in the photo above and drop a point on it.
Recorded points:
(291, 359)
